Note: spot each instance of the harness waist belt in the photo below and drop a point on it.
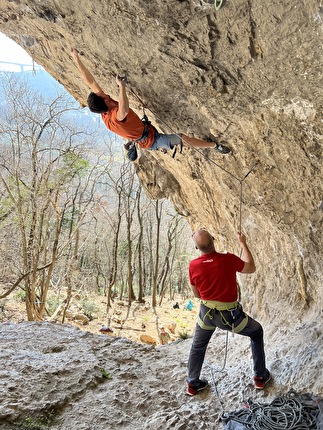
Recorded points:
(220, 306)
(237, 329)
(144, 134)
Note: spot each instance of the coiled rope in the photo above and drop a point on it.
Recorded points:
(291, 411)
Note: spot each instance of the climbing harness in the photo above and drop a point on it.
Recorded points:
(288, 411)
(231, 307)
(146, 123)
(217, 4)
(130, 146)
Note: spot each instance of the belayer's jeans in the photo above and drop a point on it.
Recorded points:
(223, 320)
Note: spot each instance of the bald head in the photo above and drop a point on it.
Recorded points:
(203, 241)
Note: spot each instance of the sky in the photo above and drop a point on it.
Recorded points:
(10, 52)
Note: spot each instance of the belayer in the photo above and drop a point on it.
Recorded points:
(123, 121)
(213, 280)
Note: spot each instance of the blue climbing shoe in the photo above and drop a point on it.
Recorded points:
(131, 150)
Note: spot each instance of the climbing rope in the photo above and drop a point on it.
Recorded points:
(240, 180)
(214, 370)
(203, 155)
(290, 411)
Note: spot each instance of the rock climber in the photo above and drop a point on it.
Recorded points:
(213, 280)
(123, 121)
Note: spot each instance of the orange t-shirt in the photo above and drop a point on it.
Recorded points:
(130, 128)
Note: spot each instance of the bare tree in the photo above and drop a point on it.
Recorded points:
(73, 214)
(40, 159)
(158, 214)
(140, 246)
(172, 233)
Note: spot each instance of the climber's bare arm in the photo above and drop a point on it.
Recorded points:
(86, 75)
(195, 291)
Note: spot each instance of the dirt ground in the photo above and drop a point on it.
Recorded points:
(139, 322)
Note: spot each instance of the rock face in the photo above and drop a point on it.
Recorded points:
(249, 74)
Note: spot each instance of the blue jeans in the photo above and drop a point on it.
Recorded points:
(223, 320)
(166, 141)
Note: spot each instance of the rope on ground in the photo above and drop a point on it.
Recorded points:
(290, 411)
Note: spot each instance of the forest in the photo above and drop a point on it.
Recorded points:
(74, 219)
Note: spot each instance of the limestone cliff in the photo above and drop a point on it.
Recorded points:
(250, 74)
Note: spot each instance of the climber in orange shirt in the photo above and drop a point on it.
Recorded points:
(123, 121)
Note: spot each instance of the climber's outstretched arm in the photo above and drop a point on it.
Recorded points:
(123, 108)
(86, 75)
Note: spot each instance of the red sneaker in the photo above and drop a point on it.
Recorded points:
(260, 383)
(194, 389)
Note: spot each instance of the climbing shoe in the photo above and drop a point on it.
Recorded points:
(260, 382)
(193, 389)
(131, 150)
(222, 148)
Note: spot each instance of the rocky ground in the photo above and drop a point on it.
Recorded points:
(61, 377)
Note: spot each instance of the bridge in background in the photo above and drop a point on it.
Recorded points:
(6, 66)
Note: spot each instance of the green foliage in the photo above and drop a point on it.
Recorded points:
(76, 163)
(182, 324)
(105, 374)
(51, 304)
(38, 423)
(183, 334)
(69, 218)
(101, 291)
(89, 308)
(73, 165)
(123, 249)
(20, 296)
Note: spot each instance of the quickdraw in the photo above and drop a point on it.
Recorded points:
(217, 4)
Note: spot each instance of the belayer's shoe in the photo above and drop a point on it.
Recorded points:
(222, 148)
(193, 389)
(261, 382)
